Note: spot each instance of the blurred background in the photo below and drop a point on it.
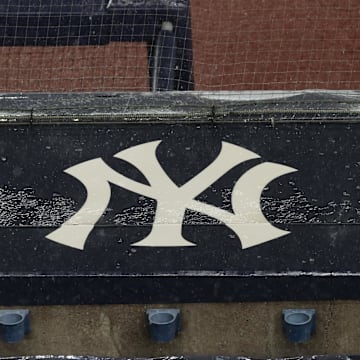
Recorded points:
(236, 45)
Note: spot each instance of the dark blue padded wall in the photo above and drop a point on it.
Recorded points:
(238, 201)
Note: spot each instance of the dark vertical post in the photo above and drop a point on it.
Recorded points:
(164, 61)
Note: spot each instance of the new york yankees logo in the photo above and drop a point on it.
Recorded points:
(246, 221)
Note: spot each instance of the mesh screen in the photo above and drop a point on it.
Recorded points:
(276, 44)
(143, 45)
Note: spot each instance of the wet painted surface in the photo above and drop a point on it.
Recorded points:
(318, 206)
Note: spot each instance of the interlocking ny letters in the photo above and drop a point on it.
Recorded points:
(247, 220)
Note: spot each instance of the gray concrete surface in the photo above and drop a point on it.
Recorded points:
(249, 329)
